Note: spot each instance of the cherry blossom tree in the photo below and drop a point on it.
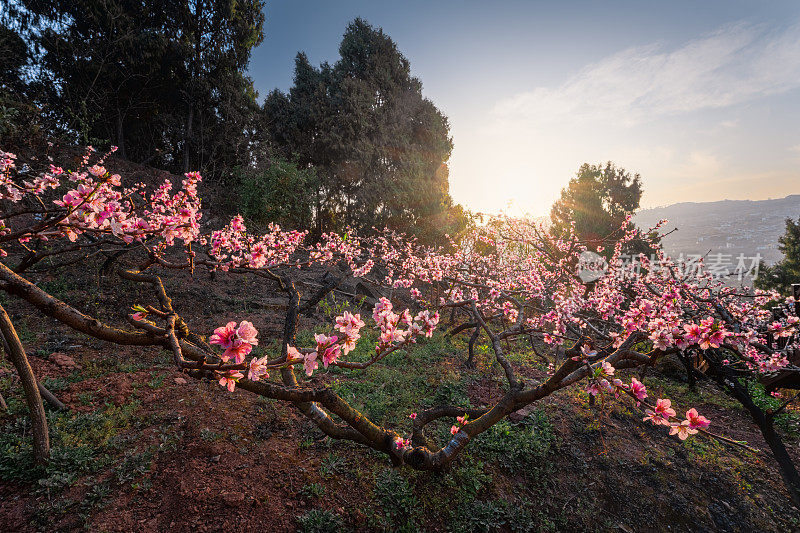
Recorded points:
(509, 280)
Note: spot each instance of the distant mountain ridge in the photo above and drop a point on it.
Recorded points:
(729, 227)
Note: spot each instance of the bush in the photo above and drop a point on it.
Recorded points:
(281, 193)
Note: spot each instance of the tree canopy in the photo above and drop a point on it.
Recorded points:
(596, 202)
(165, 81)
(379, 146)
(162, 79)
(785, 272)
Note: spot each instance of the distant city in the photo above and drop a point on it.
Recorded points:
(728, 227)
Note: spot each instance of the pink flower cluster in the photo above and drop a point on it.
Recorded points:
(234, 247)
(460, 422)
(92, 201)
(663, 412)
(390, 324)
(229, 378)
(237, 340)
(329, 348)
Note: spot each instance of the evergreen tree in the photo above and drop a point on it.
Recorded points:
(785, 272)
(161, 79)
(596, 201)
(379, 146)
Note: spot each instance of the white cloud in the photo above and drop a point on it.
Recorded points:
(647, 109)
(729, 66)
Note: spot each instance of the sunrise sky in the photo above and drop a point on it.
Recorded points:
(701, 98)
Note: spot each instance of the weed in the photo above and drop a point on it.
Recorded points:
(209, 435)
(320, 521)
(399, 507)
(157, 381)
(311, 491)
(332, 464)
(56, 384)
(133, 466)
(85, 398)
(450, 392)
(80, 444)
(521, 447)
(467, 480)
(499, 515)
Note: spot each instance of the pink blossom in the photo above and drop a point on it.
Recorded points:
(331, 354)
(292, 354)
(349, 342)
(695, 420)
(383, 306)
(663, 408)
(692, 333)
(229, 379)
(638, 389)
(247, 333)
(349, 323)
(224, 336)
(310, 363)
(257, 369)
(655, 418)
(238, 342)
(683, 430)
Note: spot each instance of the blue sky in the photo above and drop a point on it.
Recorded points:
(701, 98)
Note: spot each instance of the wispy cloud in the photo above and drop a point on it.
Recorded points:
(732, 65)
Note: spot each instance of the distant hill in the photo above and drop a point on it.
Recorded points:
(732, 227)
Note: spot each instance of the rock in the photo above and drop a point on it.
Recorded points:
(517, 416)
(180, 381)
(64, 361)
(233, 499)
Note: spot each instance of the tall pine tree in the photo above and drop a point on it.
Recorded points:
(379, 146)
(161, 79)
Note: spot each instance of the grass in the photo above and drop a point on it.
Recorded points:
(387, 393)
(311, 491)
(81, 444)
(788, 422)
